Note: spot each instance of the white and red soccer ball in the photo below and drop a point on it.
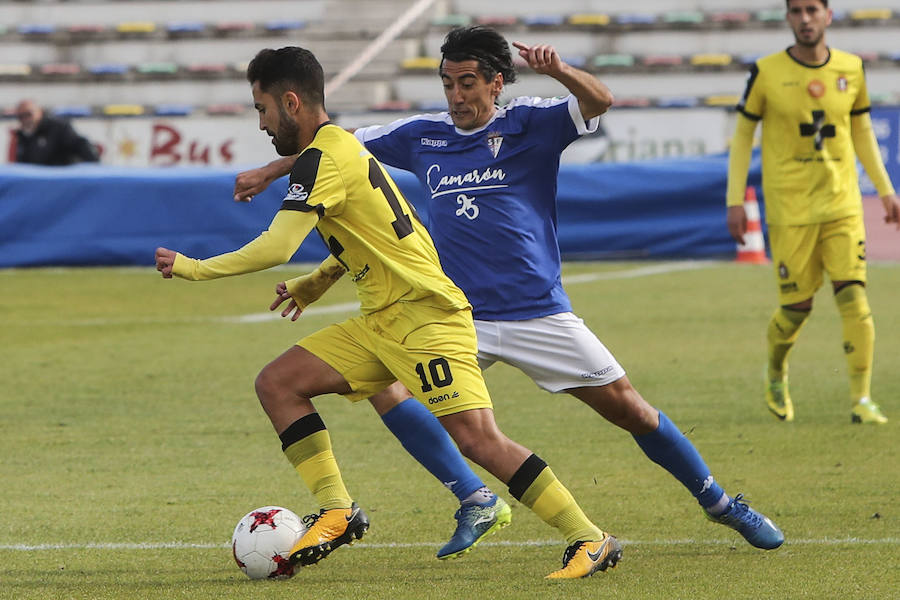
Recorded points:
(262, 542)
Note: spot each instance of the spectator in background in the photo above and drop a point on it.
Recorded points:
(814, 106)
(45, 140)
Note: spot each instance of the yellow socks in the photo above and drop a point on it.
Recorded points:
(535, 486)
(859, 338)
(307, 445)
(784, 327)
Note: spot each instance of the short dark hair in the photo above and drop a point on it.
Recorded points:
(289, 68)
(787, 3)
(481, 44)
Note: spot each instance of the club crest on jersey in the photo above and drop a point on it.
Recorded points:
(842, 84)
(494, 141)
(297, 193)
(783, 271)
(816, 88)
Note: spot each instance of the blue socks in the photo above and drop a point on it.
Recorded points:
(668, 448)
(426, 440)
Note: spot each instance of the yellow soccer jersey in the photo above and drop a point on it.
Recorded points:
(368, 225)
(809, 162)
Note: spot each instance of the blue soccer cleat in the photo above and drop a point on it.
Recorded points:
(475, 522)
(756, 528)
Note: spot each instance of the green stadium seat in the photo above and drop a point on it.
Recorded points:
(603, 61)
(157, 68)
(683, 17)
(452, 21)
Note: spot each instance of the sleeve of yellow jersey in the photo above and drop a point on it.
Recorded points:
(273, 247)
(739, 160)
(869, 155)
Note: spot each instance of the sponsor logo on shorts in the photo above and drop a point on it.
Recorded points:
(440, 398)
(788, 287)
(597, 374)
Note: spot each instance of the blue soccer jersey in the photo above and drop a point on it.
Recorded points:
(492, 199)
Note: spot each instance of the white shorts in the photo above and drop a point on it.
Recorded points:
(558, 351)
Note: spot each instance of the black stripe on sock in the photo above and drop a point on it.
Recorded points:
(301, 428)
(525, 475)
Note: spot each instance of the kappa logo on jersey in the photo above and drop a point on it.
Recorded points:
(494, 141)
(467, 207)
(433, 143)
(297, 193)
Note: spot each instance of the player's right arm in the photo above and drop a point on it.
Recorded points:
(740, 152)
(253, 181)
(302, 291)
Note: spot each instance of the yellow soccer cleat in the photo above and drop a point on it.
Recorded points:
(327, 531)
(778, 399)
(866, 411)
(583, 559)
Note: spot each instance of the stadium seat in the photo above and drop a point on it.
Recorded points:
(421, 63)
(662, 60)
(136, 27)
(206, 69)
(589, 20)
(108, 69)
(234, 27)
(749, 59)
(75, 110)
(722, 100)
(683, 17)
(452, 21)
(544, 21)
(123, 110)
(157, 68)
(629, 20)
(677, 102)
(772, 16)
(432, 105)
(711, 60)
(633, 102)
(732, 18)
(604, 61)
(60, 69)
(186, 28)
(227, 109)
(496, 21)
(36, 29)
(173, 110)
(86, 30)
(876, 14)
(273, 26)
(576, 60)
(15, 70)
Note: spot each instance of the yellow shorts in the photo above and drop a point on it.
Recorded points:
(801, 253)
(432, 351)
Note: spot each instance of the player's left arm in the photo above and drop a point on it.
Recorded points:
(594, 98)
(866, 146)
(273, 247)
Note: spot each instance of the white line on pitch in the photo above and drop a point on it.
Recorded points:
(846, 541)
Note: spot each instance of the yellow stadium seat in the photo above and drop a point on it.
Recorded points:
(136, 27)
(589, 19)
(711, 60)
(421, 63)
(123, 110)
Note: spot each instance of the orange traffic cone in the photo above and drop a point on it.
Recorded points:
(753, 250)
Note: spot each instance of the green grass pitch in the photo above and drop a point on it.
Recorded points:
(132, 442)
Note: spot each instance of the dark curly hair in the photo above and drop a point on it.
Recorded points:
(289, 68)
(481, 44)
(824, 3)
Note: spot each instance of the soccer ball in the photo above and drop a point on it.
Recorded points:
(262, 542)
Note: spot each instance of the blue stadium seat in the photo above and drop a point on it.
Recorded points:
(173, 110)
(186, 28)
(544, 21)
(75, 110)
(36, 29)
(108, 69)
(284, 25)
(677, 102)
